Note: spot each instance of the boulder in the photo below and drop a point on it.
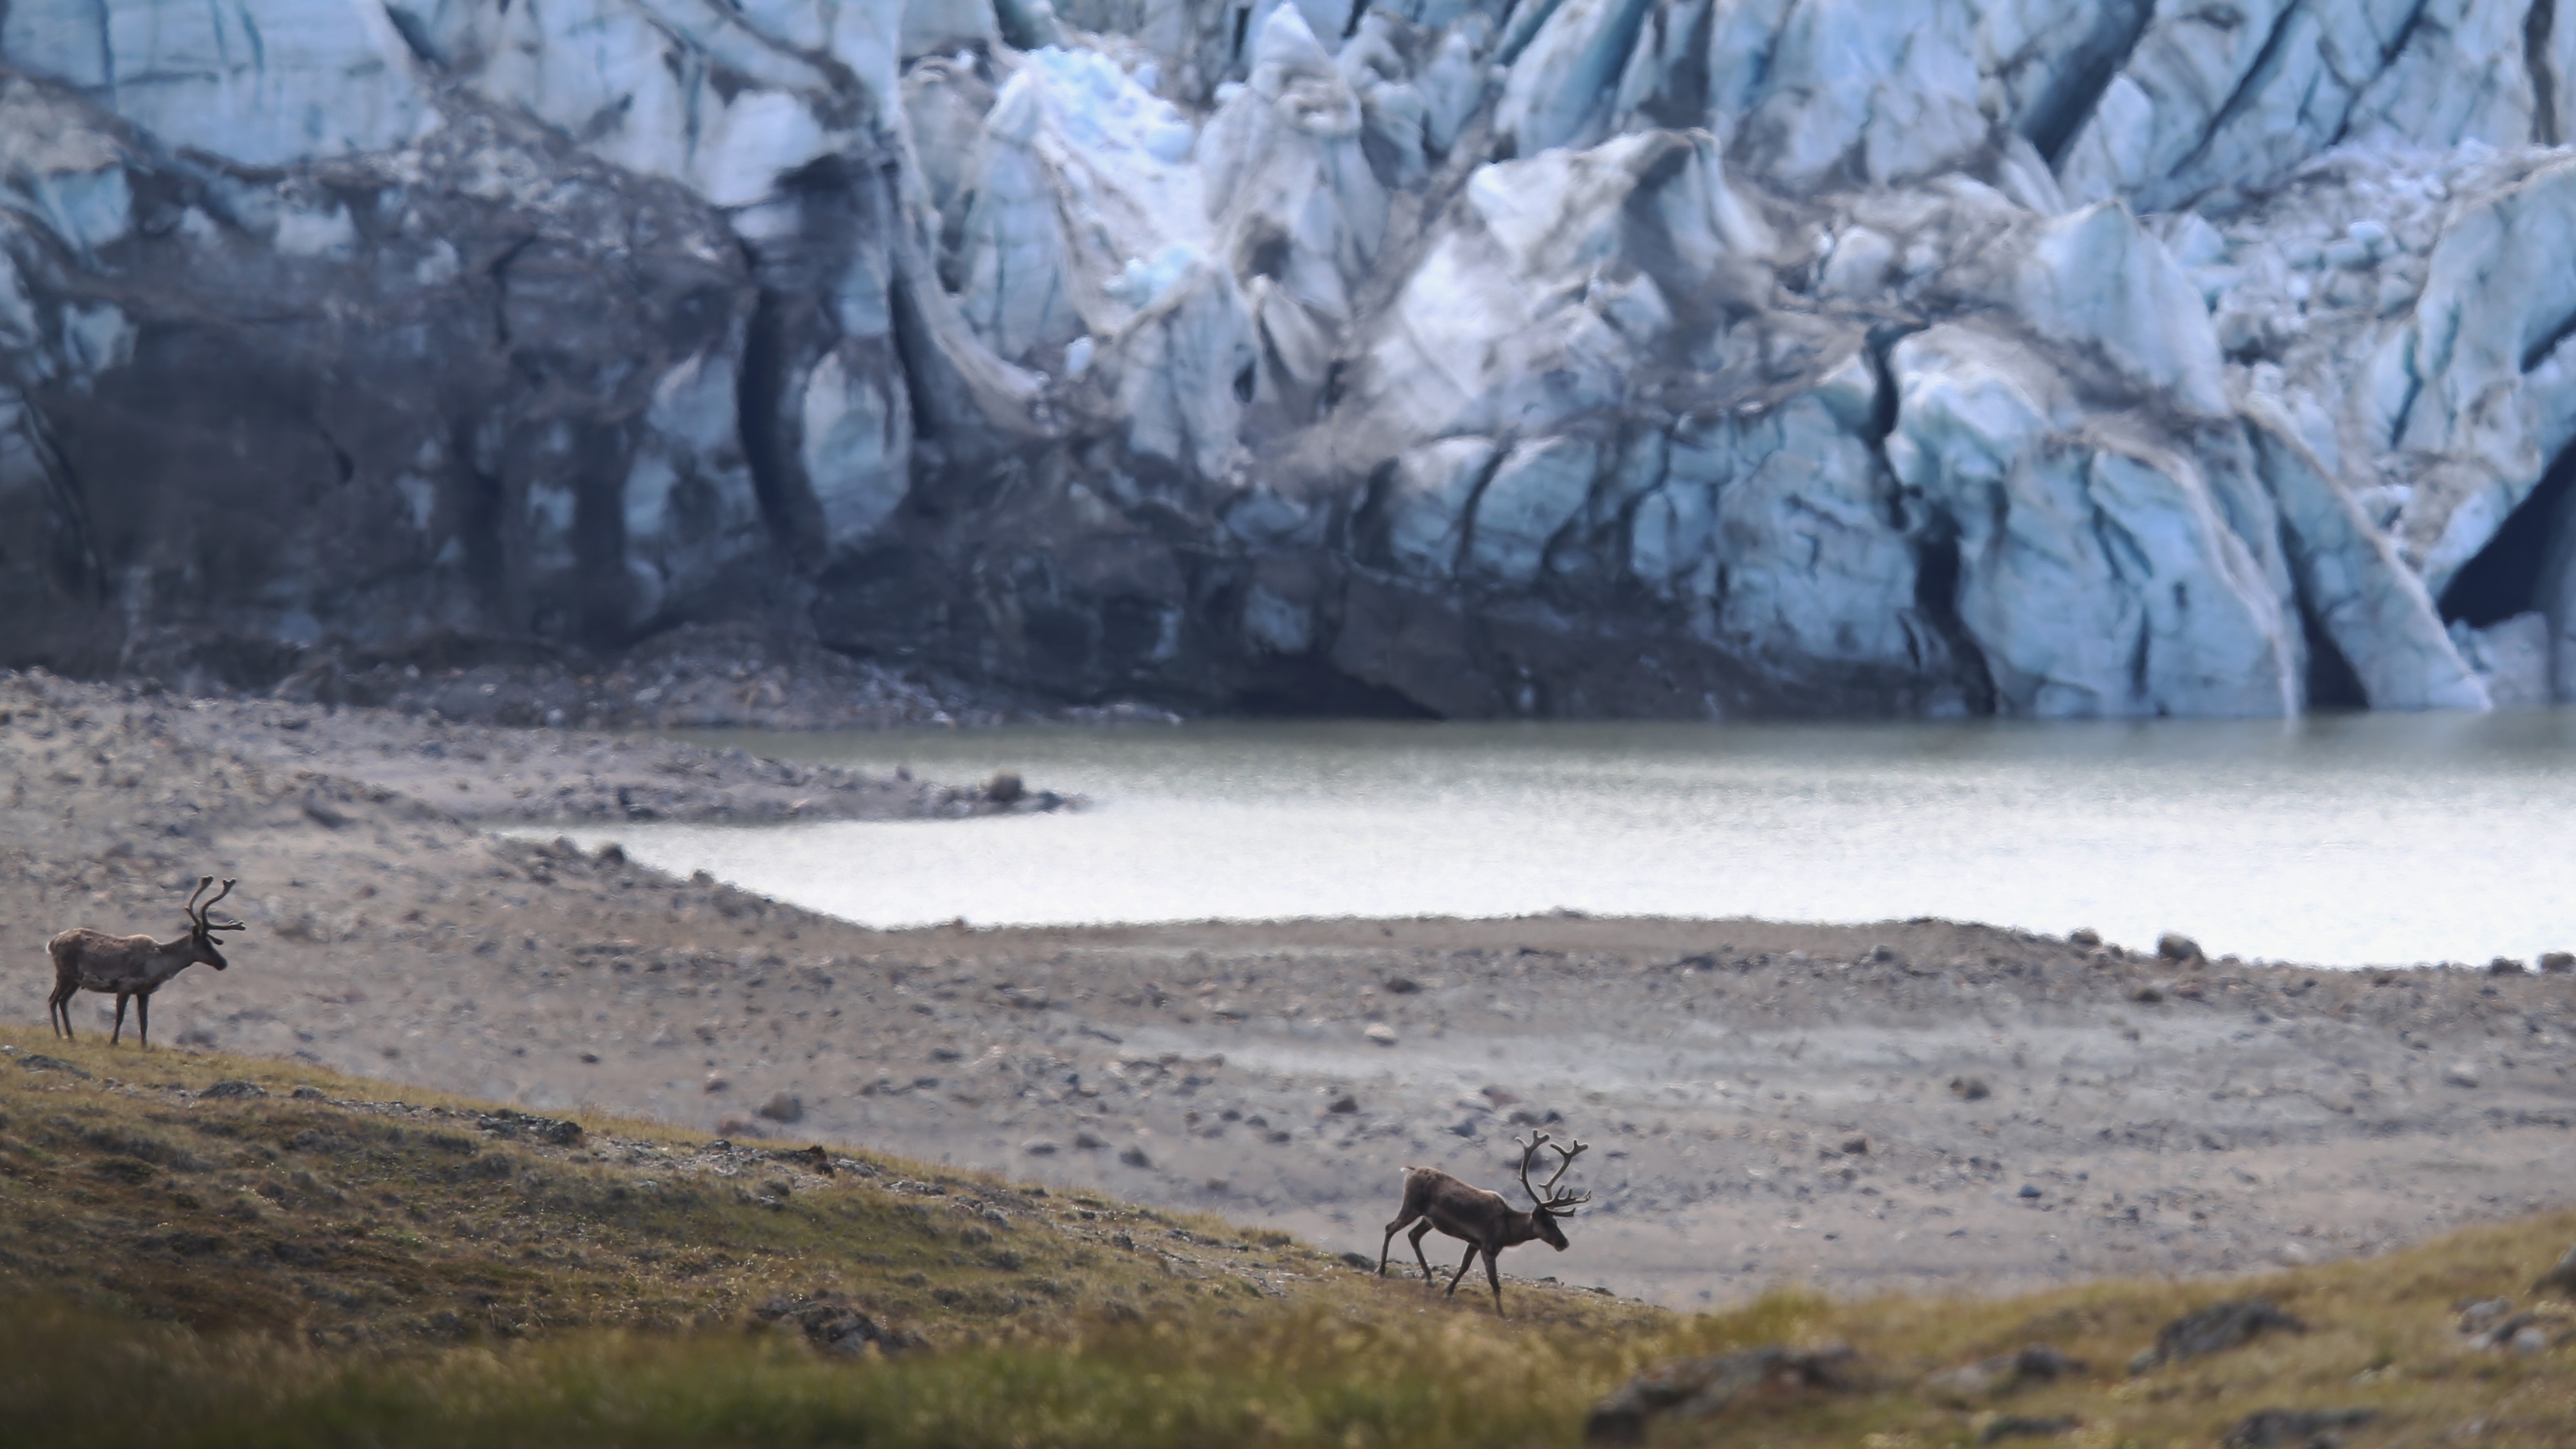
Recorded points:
(2293, 1428)
(1988, 1378)
(2215, 1329)
(831, 1324)
(1704, 1388)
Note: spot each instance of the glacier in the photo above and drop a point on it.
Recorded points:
(1472, 358)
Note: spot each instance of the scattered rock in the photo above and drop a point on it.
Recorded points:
(1345, 1104)
(2492, 1324)
(814, 1158)
(2294, 1428)
(588, 1059)
(2479, 1317)
(229, 1087)
(2147, 993)
(1882, 953)
(2174, 946)
(2215, 1329)
(2504, 966)
(1361, 1261)
(1700, 1388)
(1135, 1157)
(2084, 938)
(39, 1062)
(1039, 1147)
(2460, 1074)
(783, 1107)
(829, 1322)
(2036, 1363)
(1005, 788)
(307, 1094)
(2015, 1426)
(716, 1082)
(1381, 1033)
(1402, 986)
(1855, 1144)
(2030, 1190)
(517, 1126)
(1088, 1141)
(2557, 963)
(2560, 1279)
(1972, 1089)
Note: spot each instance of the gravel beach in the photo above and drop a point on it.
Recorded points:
(1896, 1106)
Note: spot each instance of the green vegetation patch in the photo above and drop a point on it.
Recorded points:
(197, 1250)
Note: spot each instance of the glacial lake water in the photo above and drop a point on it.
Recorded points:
(2352, 839)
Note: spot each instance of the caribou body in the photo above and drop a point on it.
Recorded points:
(1483, 1219)
(132, 967)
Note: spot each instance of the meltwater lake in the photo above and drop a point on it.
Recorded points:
(2350, 839)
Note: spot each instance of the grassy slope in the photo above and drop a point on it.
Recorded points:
(393, 1267)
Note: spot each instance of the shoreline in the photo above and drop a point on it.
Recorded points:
(1907, 1105)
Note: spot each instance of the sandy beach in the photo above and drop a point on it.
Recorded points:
(1903, 1105)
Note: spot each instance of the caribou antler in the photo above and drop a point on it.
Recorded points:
(133, 967)
(1548, 1199)
(205, 919)
(1483, 1220)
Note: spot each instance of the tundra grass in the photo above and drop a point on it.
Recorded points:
(362, 1264)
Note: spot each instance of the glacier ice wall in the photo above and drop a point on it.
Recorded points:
(1473, 357)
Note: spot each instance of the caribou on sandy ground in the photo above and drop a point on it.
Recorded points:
(1483, 1219)
(133, 967)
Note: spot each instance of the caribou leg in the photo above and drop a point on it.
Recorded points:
(1464, 1264)
(1420, 1228)
(1494, 1276)
(143, 1018)
(120, 1018)
(1384, 1248)
(58, 1012)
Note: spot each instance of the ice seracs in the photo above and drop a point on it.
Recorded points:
(1559, 357)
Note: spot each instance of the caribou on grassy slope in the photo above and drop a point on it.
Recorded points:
(132, 967)
(1482, 1219)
